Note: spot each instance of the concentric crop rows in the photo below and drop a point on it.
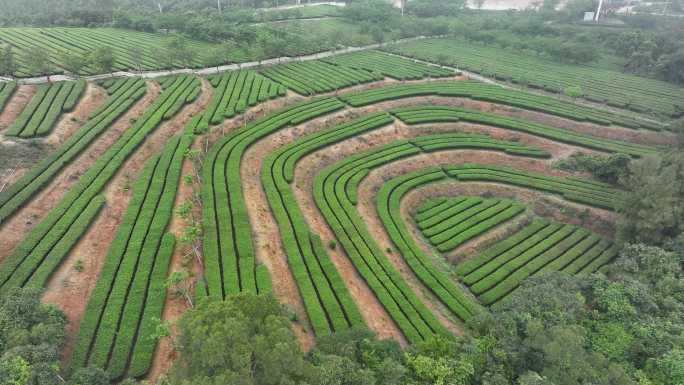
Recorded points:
(612, 87)
(327, 300)
(334, 193)
(46, 106)
(44, 247)
(230, 263)
(440, 114)
(116, 331)
(440, 213)
(457, 220)
(538, 248)
(389, 65)
(123, 94)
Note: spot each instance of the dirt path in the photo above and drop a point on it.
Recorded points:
(14, 228)
(22, 95)
(69, 289)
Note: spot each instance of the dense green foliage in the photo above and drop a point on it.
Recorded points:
(31, 336)
(246, 339)
(652, 209)
(606, 168)
(620, 328)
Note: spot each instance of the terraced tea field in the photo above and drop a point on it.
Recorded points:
(598, 85)
(404, 204)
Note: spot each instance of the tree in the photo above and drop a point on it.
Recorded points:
(671, 67)
(137, 57)
(40, 63)
(180, 285)
(606, 168)
(8, 65)
(221, 55)
(31, 336)
(72, 61)
(653, 210)
(179, 51)
(246, 339)
(89, 376)
(573, 91)
(103, 59)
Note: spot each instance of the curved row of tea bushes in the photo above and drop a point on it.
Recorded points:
(571, 189)
(229, 259)
(45, 108)
(389, 65)
(500, 95)
(328, 303)
(426, 269)
(128, 91)
(330, 192)
(440, 114)
(117, 326)
(44, 247)
(579, 253)
(236, 91)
